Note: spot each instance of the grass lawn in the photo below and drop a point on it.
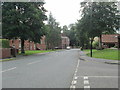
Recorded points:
(30, 52)
(8, 59)
(111, 54)
(88, 50)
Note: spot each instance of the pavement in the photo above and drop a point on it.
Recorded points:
(95, 74)
(61, 69)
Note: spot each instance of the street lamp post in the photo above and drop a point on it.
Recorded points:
(90, 47)
(91, 29)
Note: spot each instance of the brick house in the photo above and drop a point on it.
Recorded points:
(29, 45)
(65, 41)
(110, 40)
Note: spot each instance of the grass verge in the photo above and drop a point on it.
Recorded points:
(111, 54)
(30, 52)
(8, 59)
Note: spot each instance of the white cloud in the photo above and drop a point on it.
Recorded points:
(65, 11)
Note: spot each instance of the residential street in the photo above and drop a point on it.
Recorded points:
(47, 44)
(60, 69)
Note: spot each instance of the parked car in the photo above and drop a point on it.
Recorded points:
(56, 48)
(68, 48)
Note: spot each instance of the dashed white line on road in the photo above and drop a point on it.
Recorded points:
(86, 86)
(72, 86)
(86, 82)
(76, 71)
(75, 77)
(74, 82)
(8, 69)
(104, 76)
(85, 77)
(33, 62)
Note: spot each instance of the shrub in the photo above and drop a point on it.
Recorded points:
(4, 43)
(95, 44)
(115, 46)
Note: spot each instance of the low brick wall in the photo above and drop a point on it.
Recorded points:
(5, 53)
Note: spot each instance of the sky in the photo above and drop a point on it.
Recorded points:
(64, 11)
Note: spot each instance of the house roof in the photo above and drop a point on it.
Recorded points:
(111, 38)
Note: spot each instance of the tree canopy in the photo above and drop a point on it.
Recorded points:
(53, 33)
(23, 20)
(97, 18)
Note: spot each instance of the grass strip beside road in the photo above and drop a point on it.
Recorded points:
(30, 52)
(111, 54)
(8, 59)
(87, 51)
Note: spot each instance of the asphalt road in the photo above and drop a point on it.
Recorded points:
(53, 70)
(94, 74)
(61, 69)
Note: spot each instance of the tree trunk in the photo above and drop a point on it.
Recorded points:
(22, 46)
(36, 48)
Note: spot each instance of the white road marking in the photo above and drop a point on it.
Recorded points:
(76, 68)
(76, 71)
(33, 62)
(74, 82)
(86, 82)
(75, 77)
(100, 76)
(104, 76)
(72, 86)
(85, 77)
(8, 69)
(86, 86)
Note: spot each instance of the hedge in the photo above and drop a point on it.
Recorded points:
(4, 43)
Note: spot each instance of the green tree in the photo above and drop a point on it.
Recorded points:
(65, 30)
(98, 18)
(74, 41)
(72, 34)
(23, 20)
(82, 34)
(53, 33)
